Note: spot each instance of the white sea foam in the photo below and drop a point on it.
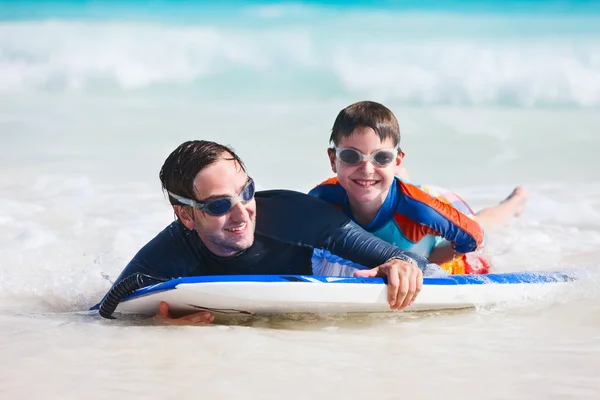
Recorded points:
(96, 56)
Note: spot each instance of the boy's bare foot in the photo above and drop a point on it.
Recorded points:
(517, 200)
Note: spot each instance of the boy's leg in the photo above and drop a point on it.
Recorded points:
(502, 213)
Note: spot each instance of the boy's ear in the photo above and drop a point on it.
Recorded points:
(331, 154)
(401, 172)
(185, 215)
(399, 159)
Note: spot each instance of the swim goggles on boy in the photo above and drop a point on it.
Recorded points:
(381, 158)
(221, 205)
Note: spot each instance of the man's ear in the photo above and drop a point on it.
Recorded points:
(185, 215)
(331, 154)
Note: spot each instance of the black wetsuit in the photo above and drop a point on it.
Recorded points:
(294, 232)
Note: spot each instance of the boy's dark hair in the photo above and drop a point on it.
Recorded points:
(366, 113)
(183, 164)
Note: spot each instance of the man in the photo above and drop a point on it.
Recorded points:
(224, 228)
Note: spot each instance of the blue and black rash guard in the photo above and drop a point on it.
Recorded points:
(296, 234)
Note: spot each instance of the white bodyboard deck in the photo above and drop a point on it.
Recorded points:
(283, 294)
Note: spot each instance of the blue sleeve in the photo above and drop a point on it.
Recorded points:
(439, 218)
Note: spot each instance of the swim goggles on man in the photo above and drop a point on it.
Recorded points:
(381, 158)
(221, 205)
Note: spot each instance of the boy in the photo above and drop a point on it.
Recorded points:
(366, 157)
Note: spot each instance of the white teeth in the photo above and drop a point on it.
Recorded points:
(237, 228)
(366, 183)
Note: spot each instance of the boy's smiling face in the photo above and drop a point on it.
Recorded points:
(366, 184)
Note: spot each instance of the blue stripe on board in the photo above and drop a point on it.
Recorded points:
(508, 278)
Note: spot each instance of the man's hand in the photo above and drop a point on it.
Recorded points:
(404, 279)
(164, 317)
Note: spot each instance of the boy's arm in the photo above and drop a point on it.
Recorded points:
(420, 214)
